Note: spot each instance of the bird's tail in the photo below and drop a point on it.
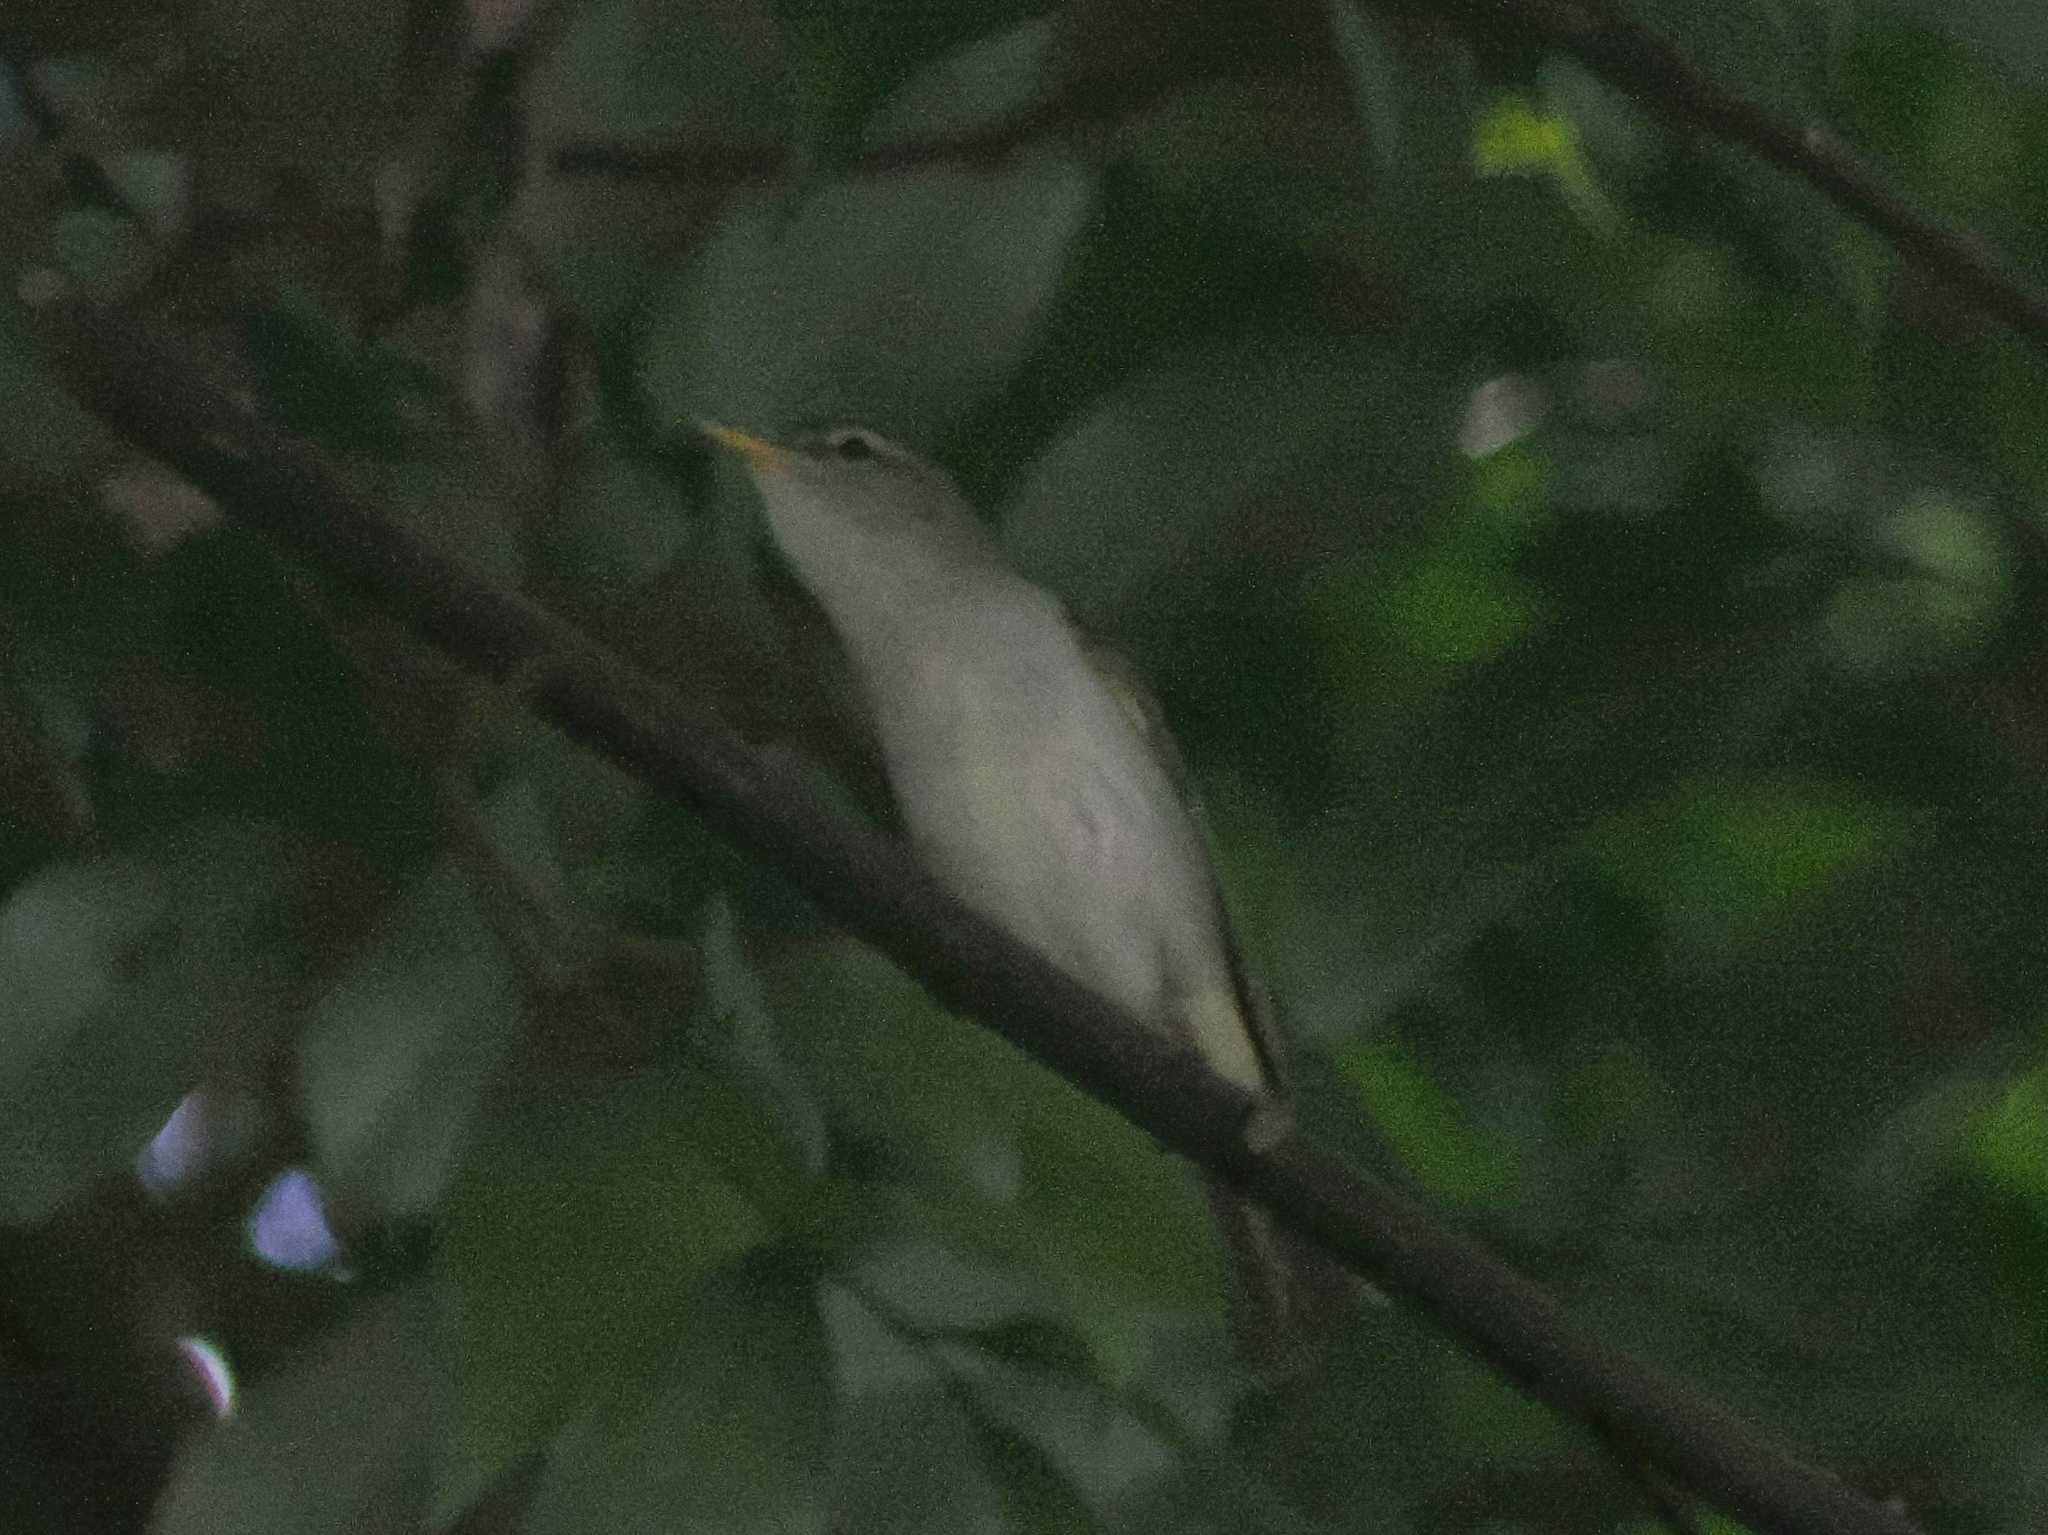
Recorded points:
(1282, 1294)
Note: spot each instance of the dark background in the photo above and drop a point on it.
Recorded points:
(1596, 583)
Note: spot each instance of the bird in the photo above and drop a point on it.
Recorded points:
(1037, 782)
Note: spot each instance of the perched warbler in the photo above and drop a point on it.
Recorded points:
(1037, 783)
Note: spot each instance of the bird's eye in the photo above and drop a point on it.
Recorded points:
(853, 446)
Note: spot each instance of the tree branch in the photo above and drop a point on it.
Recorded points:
(1623, 52)
(1640, 64)
(174, 407)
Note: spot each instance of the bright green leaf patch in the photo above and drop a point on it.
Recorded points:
(1450, 1156)
(2011, 1140)
(1453, 611)
(1722, 864)
(1514, 138)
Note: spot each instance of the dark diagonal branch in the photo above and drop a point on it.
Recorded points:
(280, 486)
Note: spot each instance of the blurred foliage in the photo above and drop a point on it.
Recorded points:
(1596, 584)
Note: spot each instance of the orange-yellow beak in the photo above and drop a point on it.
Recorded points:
(757, 451)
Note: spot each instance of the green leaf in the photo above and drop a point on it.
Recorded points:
(631, 70)
(2010, 1139)
(729, 1432)
(571, 1243)
(325, 380)
(1037, 1492)
(895, 298)
(1513, 136)
(910, 1462)
(983, 84)
(1723, 862)
(122, 979)
(1453, 1159)
(1178, 463)
(333, 1444)
(396, 1057)
(1509, 1427)
(102, 250)
(1007, 1160)
(1369, 69)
